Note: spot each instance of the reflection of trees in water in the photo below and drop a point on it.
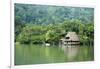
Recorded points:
(70, 52)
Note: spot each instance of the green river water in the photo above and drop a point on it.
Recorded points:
(37, 54)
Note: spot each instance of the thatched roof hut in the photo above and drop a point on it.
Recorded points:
(71, 38)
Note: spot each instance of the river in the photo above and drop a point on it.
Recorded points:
(37, 54)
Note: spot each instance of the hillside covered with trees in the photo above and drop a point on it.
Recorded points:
(43, 23)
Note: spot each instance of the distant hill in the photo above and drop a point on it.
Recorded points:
(45, 14)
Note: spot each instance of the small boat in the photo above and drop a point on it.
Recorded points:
(47, 44)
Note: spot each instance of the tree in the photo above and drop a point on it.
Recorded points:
(51, 36)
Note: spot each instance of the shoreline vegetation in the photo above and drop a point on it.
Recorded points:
(36, 24)
(36, 34)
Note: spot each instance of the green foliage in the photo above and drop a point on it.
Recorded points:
(31, 34)
(53, 33)
(51, 36)
(40, 24)
(45, 14)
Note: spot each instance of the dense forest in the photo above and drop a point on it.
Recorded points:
(38, 24)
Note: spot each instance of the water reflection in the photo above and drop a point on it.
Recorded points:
(70, 51)
(36, 54)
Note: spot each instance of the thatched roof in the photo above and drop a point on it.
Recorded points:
(72, 36)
